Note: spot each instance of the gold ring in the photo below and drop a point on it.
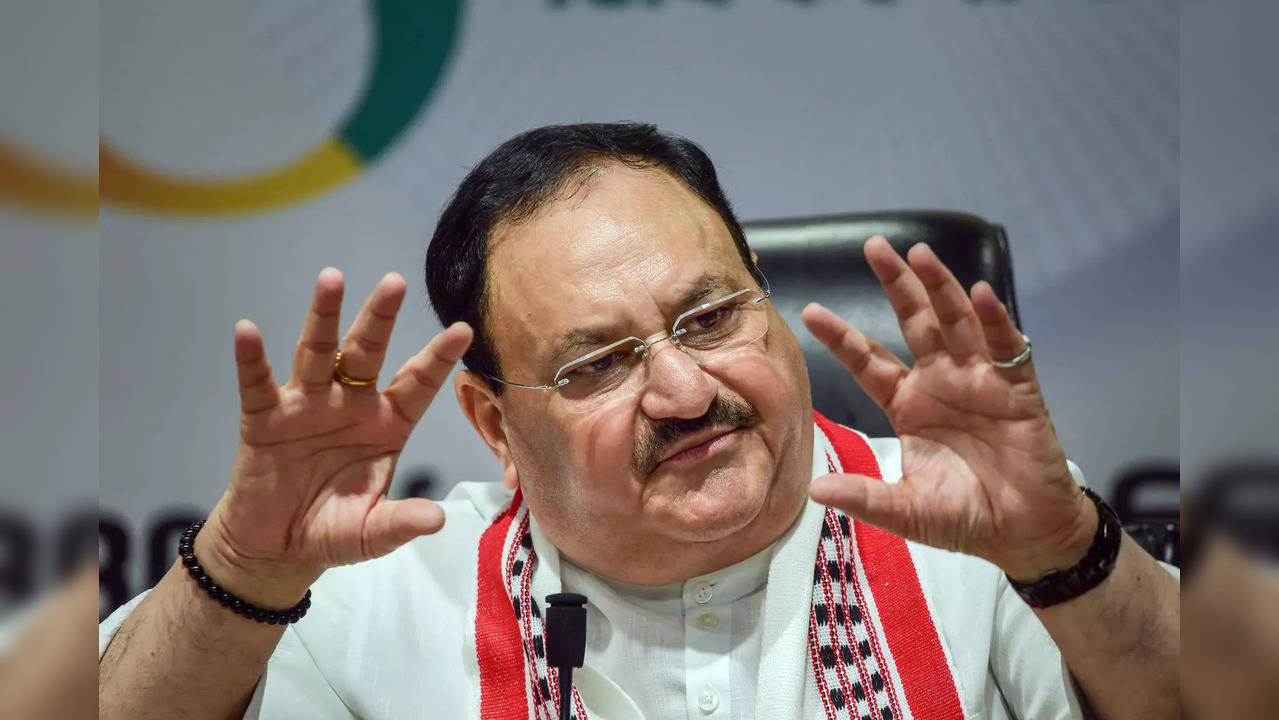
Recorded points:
(347, 379)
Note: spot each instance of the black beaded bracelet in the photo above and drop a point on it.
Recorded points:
(242, 607)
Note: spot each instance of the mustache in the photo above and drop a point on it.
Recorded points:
(662, 435)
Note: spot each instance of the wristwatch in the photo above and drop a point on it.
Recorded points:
(1059, 586)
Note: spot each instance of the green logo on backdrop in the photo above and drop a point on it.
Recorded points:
(413, 40)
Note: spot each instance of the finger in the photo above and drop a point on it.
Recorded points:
(874, 368)
(907, 295)
(391, 523)
(871, 500)
(258, 390)
(956, 318)
(414, 386)
(313, 358)
(1002, 336)
(364, 347)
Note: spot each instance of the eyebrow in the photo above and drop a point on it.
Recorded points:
(707, 284)
(583, 340)
(587, 339)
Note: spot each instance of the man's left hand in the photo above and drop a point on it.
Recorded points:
(982, 471)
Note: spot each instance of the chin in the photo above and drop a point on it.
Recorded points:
(726, 501)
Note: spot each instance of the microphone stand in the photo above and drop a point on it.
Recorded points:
(565, 642)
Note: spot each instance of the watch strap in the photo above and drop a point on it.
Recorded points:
(1058, 586)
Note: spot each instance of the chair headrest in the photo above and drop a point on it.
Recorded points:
(820, 259)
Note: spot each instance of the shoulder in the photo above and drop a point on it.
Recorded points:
(415, 602)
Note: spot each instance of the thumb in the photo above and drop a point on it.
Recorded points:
(391, 523)
(867, 499)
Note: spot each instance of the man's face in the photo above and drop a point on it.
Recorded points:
(698, 454)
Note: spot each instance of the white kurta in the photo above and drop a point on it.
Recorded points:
(393, 638)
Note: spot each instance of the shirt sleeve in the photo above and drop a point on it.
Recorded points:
(1028, 668)
(292, 686)
(109, 627)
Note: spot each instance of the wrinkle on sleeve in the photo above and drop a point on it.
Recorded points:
(292, 686)
(1028, 667)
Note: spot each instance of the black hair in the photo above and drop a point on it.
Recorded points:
(521, 176)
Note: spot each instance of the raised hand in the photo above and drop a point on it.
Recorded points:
(316, 456)
(982, 471)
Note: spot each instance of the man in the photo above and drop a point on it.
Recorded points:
(651, 414)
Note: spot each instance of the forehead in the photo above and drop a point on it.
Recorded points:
(626, 243)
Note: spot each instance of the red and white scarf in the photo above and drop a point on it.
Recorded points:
(874, 650)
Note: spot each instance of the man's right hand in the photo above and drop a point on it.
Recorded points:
(316, 456)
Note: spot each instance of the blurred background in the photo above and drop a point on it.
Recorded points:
(172, 166)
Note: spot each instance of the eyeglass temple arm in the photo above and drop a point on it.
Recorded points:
(563, 381)
(764, 284)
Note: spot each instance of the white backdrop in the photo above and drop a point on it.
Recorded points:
(1056, 118)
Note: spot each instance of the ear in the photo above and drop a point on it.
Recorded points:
(481, 408)
(754, 258)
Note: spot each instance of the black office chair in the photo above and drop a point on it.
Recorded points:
(1148, 501)
(820, 258)
(1237, 499)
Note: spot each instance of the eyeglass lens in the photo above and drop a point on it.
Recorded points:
(617, 371)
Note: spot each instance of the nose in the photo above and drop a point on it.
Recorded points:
(675, 385)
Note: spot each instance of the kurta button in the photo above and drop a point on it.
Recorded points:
(708, 621)
(702, 594)
(707, 701)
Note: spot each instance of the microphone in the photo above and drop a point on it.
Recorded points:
(565, 641)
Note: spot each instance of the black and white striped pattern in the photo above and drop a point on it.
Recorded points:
(519, 560)
(851, 673)
(851, 669)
